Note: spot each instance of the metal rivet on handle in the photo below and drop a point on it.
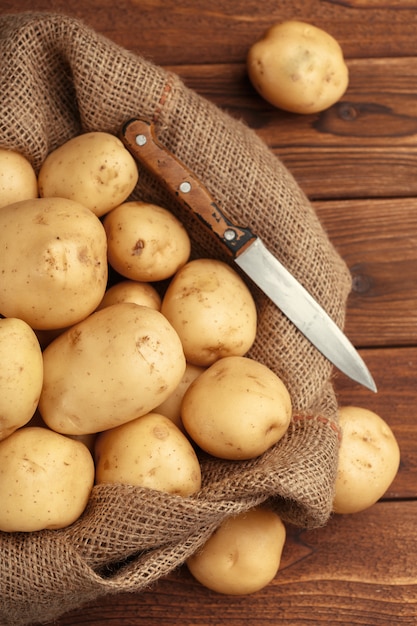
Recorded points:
(140, 140)
(229, 234)
(185, 187)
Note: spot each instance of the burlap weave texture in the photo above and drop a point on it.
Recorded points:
(60, 78)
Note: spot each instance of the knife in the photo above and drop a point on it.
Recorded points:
(248, 252)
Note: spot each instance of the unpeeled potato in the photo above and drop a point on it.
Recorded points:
(146, 242)
(18, 179)
(298, 67)
(171, 407)
(236, 409)
(114, 366)
(53, 264)
(243, 555)
(212, 310)
(93, 168)
(131, 291)
(151, 452)
(45, 480)
(21, 374)
(369, 458)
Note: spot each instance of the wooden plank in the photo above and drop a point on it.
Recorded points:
(324, 578)
(166, 30)
(378, 241)
(364, 146)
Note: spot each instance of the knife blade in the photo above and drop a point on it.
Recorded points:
(248, 252)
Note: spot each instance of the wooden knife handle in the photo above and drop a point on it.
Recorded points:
(139, 138)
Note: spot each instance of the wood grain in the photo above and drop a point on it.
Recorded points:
(364, 146)
(357, 162)
(344, 574)
(165, 30)
(378, 241)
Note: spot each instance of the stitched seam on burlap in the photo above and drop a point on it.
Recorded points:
(164, 96)
(323, 420)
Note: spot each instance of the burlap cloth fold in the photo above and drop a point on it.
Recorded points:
(59, 78)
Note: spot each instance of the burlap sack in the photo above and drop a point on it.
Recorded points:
(58, 78)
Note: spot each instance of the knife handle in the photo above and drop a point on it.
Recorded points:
(139, 138)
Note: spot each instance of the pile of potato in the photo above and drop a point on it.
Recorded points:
(124, 382)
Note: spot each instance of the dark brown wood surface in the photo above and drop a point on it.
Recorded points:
(358, 164)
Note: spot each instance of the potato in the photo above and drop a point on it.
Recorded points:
(298, 67)
(18, 179)
(243, 555)
(88, 439)
(145, 241)
(171, 407)
(237, 409)
(94, 169)
(212, 310)
(54, 262)
(46, 336)
(21, 374)
(112, 367)
(45, 480)
(151, 452)
(369, 459)
(131, 291)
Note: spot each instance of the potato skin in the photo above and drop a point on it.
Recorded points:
(112, 367)
(54, 248)
(146, 242)
(21, 374)
(369, 458)
(212, 310)
(236, 409)
(298, 67)
(151, 452)
(171, 407)
(132, 291)
(243, 555)
(94, 169)
(45, 480)
(18, 179)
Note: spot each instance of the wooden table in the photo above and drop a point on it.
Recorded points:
(358, 164)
